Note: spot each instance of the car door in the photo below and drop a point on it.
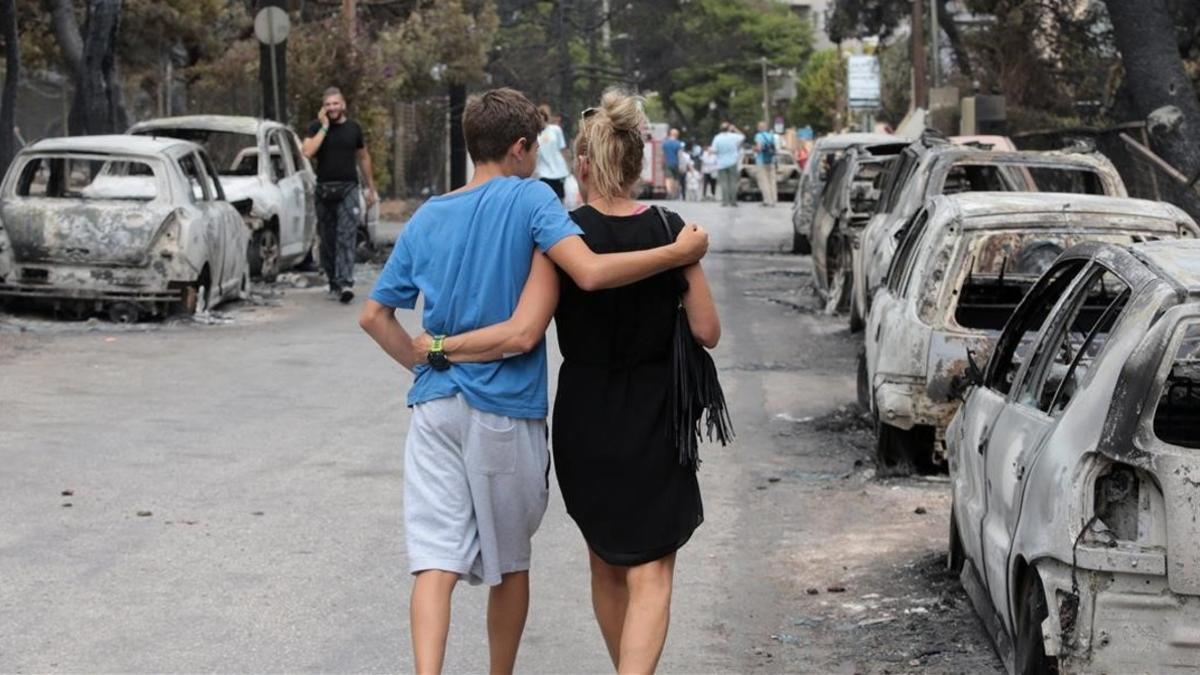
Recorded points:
(1013, 431)
(308, 181)
(291, 189)
(206, 225)
(233, 236)
(894, 333)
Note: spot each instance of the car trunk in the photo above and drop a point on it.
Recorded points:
(118, 233)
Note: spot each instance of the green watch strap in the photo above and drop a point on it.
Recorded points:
(437, 343)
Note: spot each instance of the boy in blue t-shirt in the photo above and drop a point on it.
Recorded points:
(475, 458)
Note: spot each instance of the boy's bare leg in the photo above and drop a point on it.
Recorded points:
(429, 614)
(508, 605)
(610, 601)
(649, 613)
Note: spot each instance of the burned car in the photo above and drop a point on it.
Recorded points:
(961, 270)
(1074, 467)
(933, 167)
(845, 207)
(787, 176)
(825, 153)
(130, 226)
(265, 177)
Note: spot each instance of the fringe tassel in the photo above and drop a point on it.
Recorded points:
(695, 393)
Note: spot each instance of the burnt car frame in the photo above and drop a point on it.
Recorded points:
(1073, 462)
(933, 167)
(847, 203)
(825, 153)
(130, 226)
(960, 272)
(787, 176)
(274, 197)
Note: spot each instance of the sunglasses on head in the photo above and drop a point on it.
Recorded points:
(588, 112)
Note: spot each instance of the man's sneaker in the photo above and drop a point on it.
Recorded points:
(346, 296)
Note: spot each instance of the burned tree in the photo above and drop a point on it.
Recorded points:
(1156, 80)
(12, 73)
(98, 106)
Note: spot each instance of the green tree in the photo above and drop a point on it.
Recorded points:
(819, 92)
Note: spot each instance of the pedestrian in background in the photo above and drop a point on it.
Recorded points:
(765, 146)
(337, 144)
(553, 157)
(728, 147)
(671, 148)
(708, 171)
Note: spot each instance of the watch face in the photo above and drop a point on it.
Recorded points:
(438, 360)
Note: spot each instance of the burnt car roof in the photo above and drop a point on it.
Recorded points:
(1178, 260)
(114, 144)
(992, 204)
(843, 141)
(240, 124)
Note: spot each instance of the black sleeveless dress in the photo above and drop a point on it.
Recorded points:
(619, 476)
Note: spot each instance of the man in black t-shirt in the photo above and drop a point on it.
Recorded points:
(336, 143)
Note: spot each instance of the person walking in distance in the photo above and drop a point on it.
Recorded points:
(764, 156)
(336, 142)
(728, 146)
(552, 167)
(671, 148)
(476, 459)
(708, 168)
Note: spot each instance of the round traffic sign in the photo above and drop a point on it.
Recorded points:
(271, 25)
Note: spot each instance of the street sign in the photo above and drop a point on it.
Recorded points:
(271, 25)
(863, 81)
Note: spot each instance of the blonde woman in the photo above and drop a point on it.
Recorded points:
(620, 477)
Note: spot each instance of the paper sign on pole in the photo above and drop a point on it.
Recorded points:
(863, 81)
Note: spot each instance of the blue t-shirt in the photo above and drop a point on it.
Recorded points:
(766, 141)
(469, 254)
(671, 148)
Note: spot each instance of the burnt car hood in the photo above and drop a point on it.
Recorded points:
(91, 233)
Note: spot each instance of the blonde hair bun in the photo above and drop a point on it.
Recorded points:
(611, 140)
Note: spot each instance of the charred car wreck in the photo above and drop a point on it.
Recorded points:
(128, 226)
(961, 270)
(1074, 467)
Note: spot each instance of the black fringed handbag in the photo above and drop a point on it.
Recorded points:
(695, 391)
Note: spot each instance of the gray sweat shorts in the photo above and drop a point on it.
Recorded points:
(475, 490)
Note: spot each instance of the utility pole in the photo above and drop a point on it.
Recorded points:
(935, 75)
(920, 97)
(766, 93)
(349, 18)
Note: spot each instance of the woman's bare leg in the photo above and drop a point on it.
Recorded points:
(429, 615)
(610, 600)
(508, 605)
(647, 617)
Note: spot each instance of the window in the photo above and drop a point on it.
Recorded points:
(1027, 322)
(281, 165)
(236, 154)
(213, 180)
(975, 178)
(902, 264)
(1067, 179)
(1070, 349)
(87, 177)
(1177, 417)
(195, 178)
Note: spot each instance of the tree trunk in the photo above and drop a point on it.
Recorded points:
(12, 75)
(946, 23)
(1156, 79)
(99, 103)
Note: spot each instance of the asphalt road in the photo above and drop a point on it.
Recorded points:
(235, 500)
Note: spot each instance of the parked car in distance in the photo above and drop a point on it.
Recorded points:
(959, 274)
(275, 197)
(825, 153)
(849, 198)
(924, 170)
(130, 226)
(1075, 527)
(787, 176)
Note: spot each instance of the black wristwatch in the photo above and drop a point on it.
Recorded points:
(437, 356)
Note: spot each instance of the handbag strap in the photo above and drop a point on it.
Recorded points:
(662, 215)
